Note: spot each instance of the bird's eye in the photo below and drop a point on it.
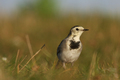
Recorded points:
(77, 29)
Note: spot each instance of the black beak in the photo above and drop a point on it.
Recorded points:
(85, 29)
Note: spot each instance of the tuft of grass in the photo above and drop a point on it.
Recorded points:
(31, 59)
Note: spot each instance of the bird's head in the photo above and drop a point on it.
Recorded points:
(77, 30)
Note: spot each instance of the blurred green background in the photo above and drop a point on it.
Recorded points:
(46, 23)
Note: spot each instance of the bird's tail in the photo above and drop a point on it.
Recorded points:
(57, 63)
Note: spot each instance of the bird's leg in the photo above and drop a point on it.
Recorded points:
(64, 65)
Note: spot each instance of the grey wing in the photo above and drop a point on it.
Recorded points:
(59, 48)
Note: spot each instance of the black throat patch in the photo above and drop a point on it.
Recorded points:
(74, 45)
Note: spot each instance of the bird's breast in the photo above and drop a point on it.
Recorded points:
(70, 55)
(72, 51)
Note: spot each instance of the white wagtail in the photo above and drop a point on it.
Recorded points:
(70, 48)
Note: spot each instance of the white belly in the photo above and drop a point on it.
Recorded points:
(70, 55)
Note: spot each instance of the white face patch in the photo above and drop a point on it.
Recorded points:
(77, 31)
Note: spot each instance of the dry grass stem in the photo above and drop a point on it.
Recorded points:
(30, 49)
(53, 64)
(31, 58)
(18, 66)
(23, 59)
(65, 71)
(16, 58)
(115, 63)
(92, 66)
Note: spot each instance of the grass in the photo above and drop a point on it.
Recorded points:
(99, 59)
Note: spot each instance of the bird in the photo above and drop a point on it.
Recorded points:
(70, 48)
